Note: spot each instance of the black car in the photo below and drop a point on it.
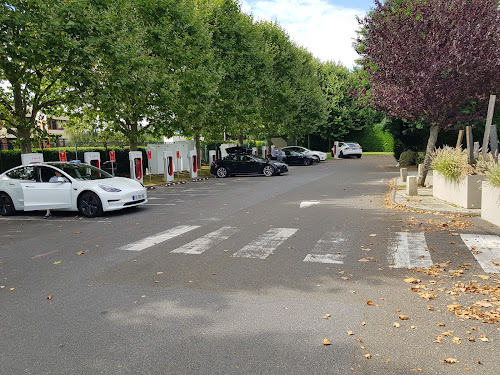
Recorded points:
(241, 163)
(295, 158)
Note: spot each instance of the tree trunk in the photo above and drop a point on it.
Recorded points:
(24, 138)
(132, 135)
(240, 138)
(431, 144)
(197, 147)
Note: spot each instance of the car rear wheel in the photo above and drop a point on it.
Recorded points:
(89, 204)
(221, 172)
(307, 162)
(341, 155)
(268, 170)
(6, 205)
(358, 156)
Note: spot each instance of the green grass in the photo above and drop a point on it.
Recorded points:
(159, 179)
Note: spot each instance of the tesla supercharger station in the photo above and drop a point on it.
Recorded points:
(336, 150)
(264, 152)
(212, 156)
(31, 158)
(193, 164)
(92, 158)
(135, 158)
(255, 151)
(168, 165)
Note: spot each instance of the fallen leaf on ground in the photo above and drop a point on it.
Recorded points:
(397, 325)
(450, 360)
(326, 342)
(403, 317)
(350, 333)
(78, 232)
(80, 253)
(411, 280)
(368, 356)
(49, 297)
(326, 316)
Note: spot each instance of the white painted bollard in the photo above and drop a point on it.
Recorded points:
(404, 174)
(411, 186)
(420, 169)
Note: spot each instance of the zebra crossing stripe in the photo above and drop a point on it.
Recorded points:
(409, 250)
(263, 246)
(323, 251)
(486, 250)
(158, 238)
(201, 244)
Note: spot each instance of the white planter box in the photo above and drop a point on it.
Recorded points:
(466, 193)
(490, 209)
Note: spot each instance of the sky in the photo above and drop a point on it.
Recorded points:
(326, 28)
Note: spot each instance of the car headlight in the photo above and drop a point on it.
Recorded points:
(110, 189)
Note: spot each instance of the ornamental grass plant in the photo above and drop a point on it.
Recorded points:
(452, 163)
(493, 174)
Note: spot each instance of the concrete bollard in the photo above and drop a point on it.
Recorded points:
(404, 174)
(420, 168)
(411, 186)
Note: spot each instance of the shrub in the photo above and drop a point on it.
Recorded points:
(420, 157)
(407, 158)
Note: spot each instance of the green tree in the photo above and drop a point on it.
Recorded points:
(46, 59)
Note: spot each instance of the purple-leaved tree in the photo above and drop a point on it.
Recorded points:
(431, 59)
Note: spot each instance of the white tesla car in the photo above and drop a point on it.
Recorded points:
(348, 149)
(82, 187)
(316, 155)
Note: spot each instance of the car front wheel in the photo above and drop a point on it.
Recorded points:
(221, 172)
(6, 205)
(316, 158)
(268, 170)
(89, 204)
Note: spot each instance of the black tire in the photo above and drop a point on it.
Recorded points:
(358, 156)
(307, 162)
(6, 205)
(89, 204)
(316, 158)
(268, 170)
(221, 172)
(341, 155)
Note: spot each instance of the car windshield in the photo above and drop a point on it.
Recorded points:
(82, 171)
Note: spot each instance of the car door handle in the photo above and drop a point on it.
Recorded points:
(29, 187)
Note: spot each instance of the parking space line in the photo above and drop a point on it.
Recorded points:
(486, 250)
(409, 250)
(158, 238)
(263, 246)
(201, 244)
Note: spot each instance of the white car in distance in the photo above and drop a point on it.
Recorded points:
(348, 149)
(316, 155)
(82, 187)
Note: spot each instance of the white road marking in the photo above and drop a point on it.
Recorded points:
(409, 250)
(158, 238)
(263, 246)
(326, 250)
(306, 204)
(486, 250)
(201, 244)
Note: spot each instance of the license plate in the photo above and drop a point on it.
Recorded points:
(138, 197)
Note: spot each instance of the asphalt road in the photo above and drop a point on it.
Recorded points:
(235, 276)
